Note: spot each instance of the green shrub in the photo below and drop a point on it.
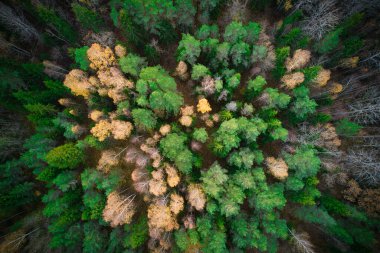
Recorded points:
(67, 156)
(199, 71)
(200, 135)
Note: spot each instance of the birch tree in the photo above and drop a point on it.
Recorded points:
(364, 165)
(321, 17)
(18, 24)
(301, 242)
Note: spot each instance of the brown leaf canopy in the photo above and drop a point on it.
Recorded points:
(277, 167)
(119, 210)
(196, 196)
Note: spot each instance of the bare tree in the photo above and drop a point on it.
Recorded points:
(356, 84)
(18, 24)
(358, 101)
(320, 135)
(11, 48)
(223, 96)
(13, 137)
(237, 10)
(368, 141)
(364, 165)
(155, 44)
(208, 85)
(321, 17)
(372, 60)
(366, 110)
(301, 242)
(306, 135)
(54, 70)
(371, 7)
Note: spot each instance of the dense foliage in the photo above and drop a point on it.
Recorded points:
(189, 126)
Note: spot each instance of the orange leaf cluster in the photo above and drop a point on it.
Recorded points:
(335, 89)
(66, 102)
(115, 83)
(157, 185)
(353, 191)
(78, 130)
(165, 129)
(323, 77)
(187, 110)
(160, 217)
(292, 80)
(299, 60)
(203, 106)
(186, 121)
(173, 178)
(96, 115)
(176, 203)
(100, 57)
(120, 51)
(119, 129)
(277, 167)
(369, 200)
(102, 130)
(329, 138)
(76, 80)
(351, 62)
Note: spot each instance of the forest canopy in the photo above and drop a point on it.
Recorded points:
(189, 126)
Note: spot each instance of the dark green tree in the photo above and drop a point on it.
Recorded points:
(88, 18)
(65, 31)
(345, 127)
(95, 238)
(329, 42)
(136, 234)
(281, 55)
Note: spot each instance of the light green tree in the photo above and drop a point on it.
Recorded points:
(67, 156)
(234, 32)
(188, 49)
(199, 71)
(213, 180)
(255, 86)
(174, 148)
(144, 119)
(200, 134)
(132, 64)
